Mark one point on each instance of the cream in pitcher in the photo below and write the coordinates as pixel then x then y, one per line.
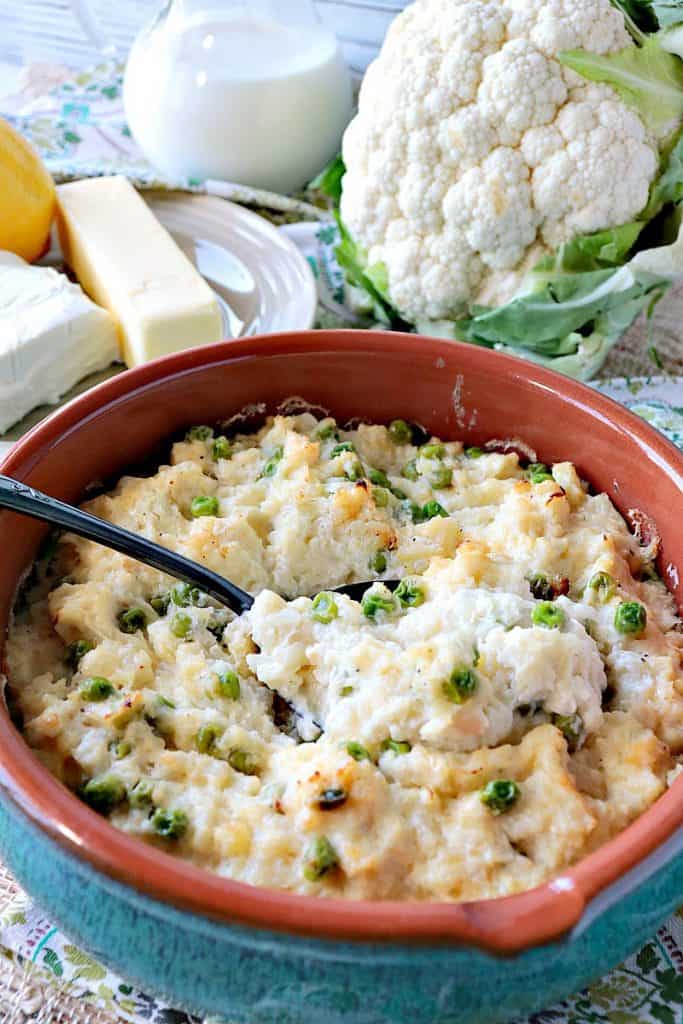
pixel 255 93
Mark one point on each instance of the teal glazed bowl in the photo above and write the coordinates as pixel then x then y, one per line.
pixel 215 946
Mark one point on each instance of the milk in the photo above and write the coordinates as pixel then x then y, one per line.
pixel 237 96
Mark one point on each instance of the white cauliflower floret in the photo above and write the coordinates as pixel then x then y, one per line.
pixel 465 33
pixel 445 271
pixel 475 149
pixel 591 169
pixel 465 138
pixel 491 206
pixel 554 25
pixel 520 89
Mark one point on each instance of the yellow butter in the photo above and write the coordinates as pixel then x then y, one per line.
pixel 128 263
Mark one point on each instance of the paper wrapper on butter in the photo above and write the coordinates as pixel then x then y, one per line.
pixel 128 263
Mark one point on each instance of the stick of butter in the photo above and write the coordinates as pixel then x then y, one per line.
pixel 128 263
pixel 51 336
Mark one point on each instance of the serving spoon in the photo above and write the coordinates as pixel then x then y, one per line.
pixel 19 497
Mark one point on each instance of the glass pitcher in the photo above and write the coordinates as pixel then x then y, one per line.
pixel 256 93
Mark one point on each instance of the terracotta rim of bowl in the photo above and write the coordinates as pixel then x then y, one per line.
pixel 504 925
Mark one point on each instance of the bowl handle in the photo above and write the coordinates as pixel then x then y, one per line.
pixel 630 881
pixel 563 909
pixel 508 925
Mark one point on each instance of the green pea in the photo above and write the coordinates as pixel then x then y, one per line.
pixel 141 794
pixel 201 433
pixel 332 798
pixel 380 497
pixel 97 689
pixel 400 432
pixel 541 587
pixel 326 430
pixel 373 603
pixel 571 727
pixel 409 510
pixel 398 493
pixel 410 470
pixel 547 614
pixel 76 651
pixel 221 449
pixel 357 751
pixel 474 453
pixel 204 505
pixel 160 604
pixel 169 824
pixel 434 450
pixel 461 684
pixel 409 594
pixel 500 795
pixel 270 467
pixel 339 449
pixel 122 750
pixel 631 617
pixel 132 620
pixel 537 472
pixel 181 625
pixel 244 762
pixel 183 595
pixel 441 477
pixel 603 586
pixel 103 794
pixel 433 509
pixel 228 685
pixel 379 478
pixel 207 737
pixel 378 562
pixel 324 608
pixel 397 746
pixel 321 858
pixel 355 471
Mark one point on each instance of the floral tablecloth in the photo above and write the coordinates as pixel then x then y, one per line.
pixel 78 125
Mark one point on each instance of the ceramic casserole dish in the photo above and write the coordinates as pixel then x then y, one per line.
pixel 215 946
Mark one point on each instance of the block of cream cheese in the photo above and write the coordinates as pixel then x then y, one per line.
pixel 128 263
pixel 51 336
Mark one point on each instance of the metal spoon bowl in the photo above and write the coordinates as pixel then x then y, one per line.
pixel 27 501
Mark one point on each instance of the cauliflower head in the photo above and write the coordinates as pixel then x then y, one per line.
pixel 475 151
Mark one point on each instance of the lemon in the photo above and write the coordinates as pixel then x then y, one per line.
pixel 27 197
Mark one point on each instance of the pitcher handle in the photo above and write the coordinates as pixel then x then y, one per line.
pixel 88 22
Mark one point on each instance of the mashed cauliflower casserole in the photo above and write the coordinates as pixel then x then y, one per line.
pixel 516 702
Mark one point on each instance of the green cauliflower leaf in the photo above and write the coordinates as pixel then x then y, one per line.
pixel 647 78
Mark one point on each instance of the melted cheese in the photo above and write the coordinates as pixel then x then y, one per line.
pixel 369 694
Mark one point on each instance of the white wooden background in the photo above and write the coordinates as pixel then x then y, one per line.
pixel 47 30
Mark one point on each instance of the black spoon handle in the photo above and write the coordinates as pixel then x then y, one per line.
pixel 20 498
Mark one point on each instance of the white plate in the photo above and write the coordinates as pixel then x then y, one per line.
pixel 261 279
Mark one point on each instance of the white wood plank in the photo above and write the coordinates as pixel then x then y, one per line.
pixel 47 30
